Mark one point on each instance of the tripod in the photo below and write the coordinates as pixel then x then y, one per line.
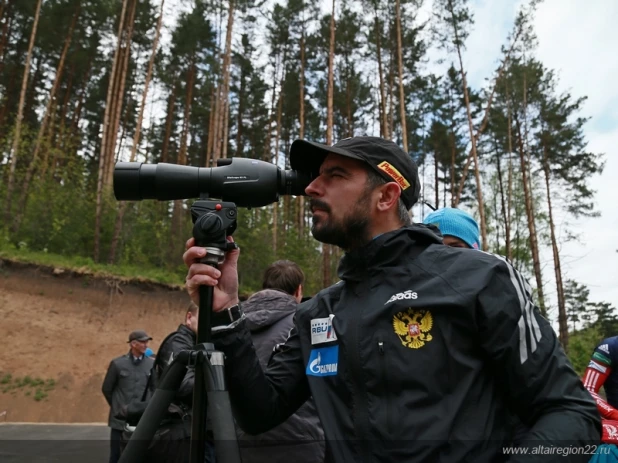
pixel 213 221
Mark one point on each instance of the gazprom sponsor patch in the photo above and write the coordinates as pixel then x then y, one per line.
pixel 601 358
pixel 323 361
pixel 597 367
pixel 322 330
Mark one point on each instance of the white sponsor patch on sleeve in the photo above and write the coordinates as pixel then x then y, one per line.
pixel 604 348
pixel 597 366
pixel 322 330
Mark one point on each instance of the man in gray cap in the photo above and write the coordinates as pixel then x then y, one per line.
pixel 126 380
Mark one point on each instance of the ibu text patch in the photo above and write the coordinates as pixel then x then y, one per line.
pixel 322 330
pixel 323 361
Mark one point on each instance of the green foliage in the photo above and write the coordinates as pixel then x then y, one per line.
pixel 41 387
pixel 581 347
pixel 87 265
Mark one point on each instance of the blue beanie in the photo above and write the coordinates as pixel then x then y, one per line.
pixel 457 223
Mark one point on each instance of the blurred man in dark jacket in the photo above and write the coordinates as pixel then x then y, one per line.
pixel 124 382
pixel 270 317
pixel 171 442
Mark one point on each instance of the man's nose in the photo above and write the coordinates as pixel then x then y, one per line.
pixel 314 188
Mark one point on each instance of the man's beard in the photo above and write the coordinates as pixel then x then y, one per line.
pixel 348 233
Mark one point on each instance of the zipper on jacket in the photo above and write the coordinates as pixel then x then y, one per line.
pixel 385 390
pixel 360 396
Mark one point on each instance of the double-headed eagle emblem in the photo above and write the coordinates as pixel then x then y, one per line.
pixel 412 326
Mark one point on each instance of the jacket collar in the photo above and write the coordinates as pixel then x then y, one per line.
pixel 186 331
pixel 386 250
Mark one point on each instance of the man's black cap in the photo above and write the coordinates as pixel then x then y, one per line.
pixel 139 335
pixel 384 156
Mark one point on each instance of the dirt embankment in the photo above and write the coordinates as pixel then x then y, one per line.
pixel 63 328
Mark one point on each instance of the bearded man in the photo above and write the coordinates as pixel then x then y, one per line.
pixel 421 349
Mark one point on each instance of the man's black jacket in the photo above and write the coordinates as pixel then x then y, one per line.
pixel 415 356
pixel 182 339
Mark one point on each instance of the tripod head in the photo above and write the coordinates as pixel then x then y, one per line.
pixel 213 222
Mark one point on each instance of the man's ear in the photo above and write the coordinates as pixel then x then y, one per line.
pixel 389 196
pixel 298 294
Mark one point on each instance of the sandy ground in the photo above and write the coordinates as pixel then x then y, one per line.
pixel 66 327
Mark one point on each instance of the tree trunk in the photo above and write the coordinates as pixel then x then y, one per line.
pixel 120 98
pixel 105 135
pixel 391 106
pixel 169 119
pixel 301 133
pixel 534 247
pixel 211 126
pixel 226 125
pixel 402 101
pixel 477 175
pixel 77 112
pixel 503 203
pixel 326 248
pixel 277 139
pixel 109 104
pixel 267 155
pixel 383 127
pixel 507 218
pixel 43 129
pixel 452 166
pixel 224 94
pixel 301 102
pixel 348 122
pixel 214 123
pixel 562 315
pixel 485 120
pixel 20 115
pixel 436 186
pixel 241 110
pixel 153 55
pixel 122 207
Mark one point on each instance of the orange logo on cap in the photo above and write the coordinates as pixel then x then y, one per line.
pixel 394 174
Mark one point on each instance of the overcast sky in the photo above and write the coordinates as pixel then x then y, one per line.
pixel 578 39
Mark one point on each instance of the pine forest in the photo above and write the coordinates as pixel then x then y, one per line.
pixel 87 83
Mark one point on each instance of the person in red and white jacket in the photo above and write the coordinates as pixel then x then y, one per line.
pixel 602 371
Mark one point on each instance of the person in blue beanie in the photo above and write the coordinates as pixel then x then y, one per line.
pixel 458 228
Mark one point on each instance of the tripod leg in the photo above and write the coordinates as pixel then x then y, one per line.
pixel 198 420
pixel 155 412
pixel 220 410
